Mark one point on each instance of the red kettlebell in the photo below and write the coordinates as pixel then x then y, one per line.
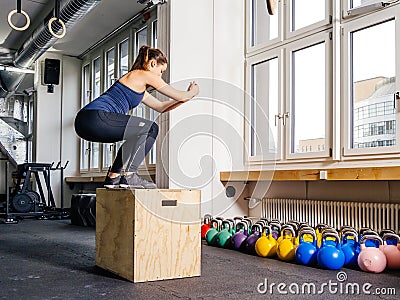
pixel 371 259
pixel 206 225
pixel 391 251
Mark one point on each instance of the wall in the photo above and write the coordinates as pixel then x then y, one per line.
pixel 55 137
pixel 207 45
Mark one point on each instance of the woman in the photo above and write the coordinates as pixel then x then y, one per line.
pixel 105 119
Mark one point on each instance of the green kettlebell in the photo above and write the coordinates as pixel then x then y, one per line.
pixel 211 235
pixel 224 237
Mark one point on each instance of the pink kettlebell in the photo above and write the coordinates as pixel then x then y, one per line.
pixel 391 251
pixel 371 259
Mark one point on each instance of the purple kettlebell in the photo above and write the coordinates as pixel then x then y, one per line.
pixel 239 238
pixel 256 232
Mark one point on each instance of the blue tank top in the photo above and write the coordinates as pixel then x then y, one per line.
pixel 118 99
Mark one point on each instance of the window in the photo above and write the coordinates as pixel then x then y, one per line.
pixel 123 58
pixel 141 39
pixel 95 147
pixel 99 73
pixel 371 82
pixel 264 108
pixel 264 27
pixel 109 148
pixel 86 94
pixel 155 37
pixel 306 15
pixel 309 68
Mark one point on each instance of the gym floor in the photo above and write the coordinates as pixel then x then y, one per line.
pixel 51 259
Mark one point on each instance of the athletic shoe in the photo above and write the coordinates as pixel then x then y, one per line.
pixel 134 181
pixel 271 6
pixel 112 183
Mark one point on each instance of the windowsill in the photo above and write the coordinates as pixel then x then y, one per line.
pixel 369 173
pixel 149 171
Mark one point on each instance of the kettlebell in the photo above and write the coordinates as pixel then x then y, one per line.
pixel 206 225
pixel 211 234
pixel 224 236
pixel 266 244
pixel 306 252
pixel 371 259
pixel 330 256
pixel 307 237
pixel 240 236
pixel 286 248
pixel 350 247
pixel 275 229
pixel 391 250
pixel 281 236
pixel 251 240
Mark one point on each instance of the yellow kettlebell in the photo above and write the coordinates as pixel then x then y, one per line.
pixel 286 248
pixel 266 244
pixel 280 238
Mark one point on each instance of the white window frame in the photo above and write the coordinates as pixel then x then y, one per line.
pixel 354 25
pixel 101 85
pixel 83 96
pixel 249 27
pixel 312 27
pixel 290 48
pixel 265 56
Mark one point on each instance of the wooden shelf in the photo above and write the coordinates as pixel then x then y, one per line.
pixel 370 173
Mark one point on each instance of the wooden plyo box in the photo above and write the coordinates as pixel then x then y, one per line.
pixel 147 235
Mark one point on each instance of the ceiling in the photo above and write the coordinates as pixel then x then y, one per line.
pixel 101 20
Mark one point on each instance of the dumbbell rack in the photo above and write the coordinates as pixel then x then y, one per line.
pixel 48 209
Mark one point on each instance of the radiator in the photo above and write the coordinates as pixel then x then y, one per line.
pixel 376 216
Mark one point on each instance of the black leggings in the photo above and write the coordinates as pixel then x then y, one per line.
pixel 107 127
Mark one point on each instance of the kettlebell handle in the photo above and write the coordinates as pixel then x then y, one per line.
pixel 371 237
pixel 352 233
pixel 331 234
pixel 215 221
pixel 258 226
pixel 224 222
pixel 207 218
pixel 243 225
pixel 287 227
pixel 268 228
pixel 389 235
pixel 308 231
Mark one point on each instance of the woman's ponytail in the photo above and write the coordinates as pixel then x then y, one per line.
pixel 145 55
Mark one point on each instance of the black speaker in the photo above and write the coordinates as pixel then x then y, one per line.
pixel 51 71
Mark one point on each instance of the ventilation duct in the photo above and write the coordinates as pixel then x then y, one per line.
pixel 41 40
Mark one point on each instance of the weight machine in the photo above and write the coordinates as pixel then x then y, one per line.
pixel 25 202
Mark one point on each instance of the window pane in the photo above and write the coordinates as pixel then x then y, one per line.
pixel 86 86
pixel 110 67
pixel 307 12
pixel 264 107
pixel 308 100
pixel 141 39
pixel 264 26
pixel 96 78
pixel 155 37
pixel 108 155
pixel 373 85
pixel 123 58
pixel 355 3
pixel 94 156
pixel 84 154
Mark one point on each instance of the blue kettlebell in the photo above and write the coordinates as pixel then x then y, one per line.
pixel 306 252
pixel 330 256
pixel 388 241
pixel 350 247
